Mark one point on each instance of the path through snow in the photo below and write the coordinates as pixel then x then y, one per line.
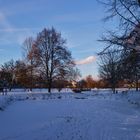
pixel 70 119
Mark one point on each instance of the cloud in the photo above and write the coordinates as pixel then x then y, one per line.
pixel 87 60
pixel 10 34
pixel 16 36
pixel 4 24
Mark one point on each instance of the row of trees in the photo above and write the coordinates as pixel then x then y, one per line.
pixel 89 82
pixel 118 69
pixel 46 61
pixel 120 60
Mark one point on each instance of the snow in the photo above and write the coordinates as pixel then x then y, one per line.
pixel 36 90
pixel 92 115
pixel 4 101
pixel 134 98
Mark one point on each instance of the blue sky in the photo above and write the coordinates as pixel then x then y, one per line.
pixel 79 21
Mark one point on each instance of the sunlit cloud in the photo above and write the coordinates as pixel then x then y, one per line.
pixel 87 60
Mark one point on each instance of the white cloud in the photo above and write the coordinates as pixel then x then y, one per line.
pixel 10 34
pixel 87 60
pixel 16 37
pixel 4 24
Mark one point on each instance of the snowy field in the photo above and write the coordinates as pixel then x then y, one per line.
pixel 95 115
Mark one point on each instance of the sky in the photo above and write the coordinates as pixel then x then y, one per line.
pixel 79 21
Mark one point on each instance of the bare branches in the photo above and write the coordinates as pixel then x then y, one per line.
pixel 125 42
pixel 55 61
pixel 109 67
pixel 128 12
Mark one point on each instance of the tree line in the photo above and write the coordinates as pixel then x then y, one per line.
pixel 120 59
pixel 47 63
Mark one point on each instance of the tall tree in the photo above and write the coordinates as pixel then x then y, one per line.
pixel 29 51
pixel 126 38
pixel 109 68
pixel 131 69
pixel 53 57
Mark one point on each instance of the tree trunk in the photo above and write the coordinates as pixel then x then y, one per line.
pixel 49 86
pixel 31 86
pixel 113 86
pixel 137 85
pixel 49 89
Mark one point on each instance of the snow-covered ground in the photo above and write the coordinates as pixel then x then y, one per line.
pixel 95 115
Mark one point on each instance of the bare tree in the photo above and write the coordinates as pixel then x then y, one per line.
pixel 127 38
pixel 29 51
pixel 53 57
pixel 109 68
pixel 131 67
